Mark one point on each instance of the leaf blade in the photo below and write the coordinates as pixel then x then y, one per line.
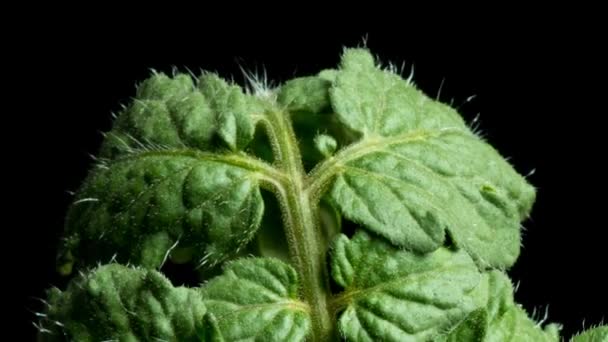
pixel 165 182
pixel 499 318
pixel 149 204
pixel 256 299
pixel 597 334
pixel 308 94
pixel 395 295
pixel 231 105
pixel 422 169
pixel 127 304
pixel 176 112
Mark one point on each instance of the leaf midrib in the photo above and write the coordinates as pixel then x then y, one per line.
pixel 320 177
pixel 262 169
pixel 294 305
pixel 351 293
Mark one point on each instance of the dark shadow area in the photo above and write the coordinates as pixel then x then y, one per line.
pixel 184 274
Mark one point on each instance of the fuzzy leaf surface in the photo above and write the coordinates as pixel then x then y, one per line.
pixel 119 303
pixel 395 295
pixel 417 170
pixel 255 299
pixel 170 178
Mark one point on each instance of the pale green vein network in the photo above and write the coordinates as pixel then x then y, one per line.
pixel 255 300
pixel 395 295
pixel 177 171
pixel 417 170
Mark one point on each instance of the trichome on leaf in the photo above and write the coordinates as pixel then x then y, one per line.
pixel 187 173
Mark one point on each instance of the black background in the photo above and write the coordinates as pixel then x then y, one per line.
pixel 537 95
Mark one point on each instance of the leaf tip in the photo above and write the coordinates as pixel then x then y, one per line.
pixel 357 59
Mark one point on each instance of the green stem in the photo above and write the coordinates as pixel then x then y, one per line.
pixel 302 227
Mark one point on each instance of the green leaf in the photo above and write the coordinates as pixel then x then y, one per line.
pixel 328 74
pixel 499 318
pixel 158 189
pixel 310 94
pixel 325 144
pixel 495 294
pixel 515 326
pixel 118 303
pixel 173 112
pixel 256 300
pixel 212 332
pixel 474 329
pixel 493 297
pixel 395 295
pixel 140 208
pixel 233 110
pixel 417 170
pixel 376 102
pixel 597 334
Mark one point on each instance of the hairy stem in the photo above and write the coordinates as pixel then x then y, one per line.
pixel 301 223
